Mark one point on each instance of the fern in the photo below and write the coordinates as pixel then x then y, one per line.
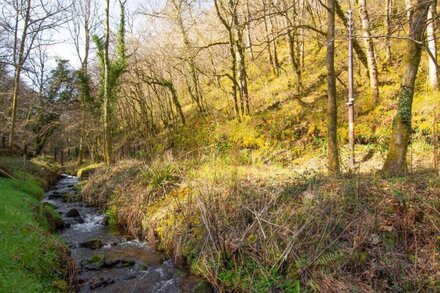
pixel 331 258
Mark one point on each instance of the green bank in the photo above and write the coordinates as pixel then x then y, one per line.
pixel 32 257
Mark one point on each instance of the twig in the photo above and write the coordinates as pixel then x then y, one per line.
pixel 6 174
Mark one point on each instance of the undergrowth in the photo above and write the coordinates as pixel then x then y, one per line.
pixel 256 228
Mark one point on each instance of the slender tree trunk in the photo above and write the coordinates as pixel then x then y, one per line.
pixel 276 61
pixel 408 9
pixel 241 75
pixel 388 11
pixel 333 153
pixel 249 33
pixel 357 48
pixel 177 103
pixel 17 74
pixel 233 76
pixel 195 90
pixel 433 78
pixel 85 94
pixel 395 163
pixel 371 56
pixel 268 33
pixel 351 143
pixel 106 106
pixel 294 59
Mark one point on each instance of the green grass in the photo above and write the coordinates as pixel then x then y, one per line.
pixel 31 258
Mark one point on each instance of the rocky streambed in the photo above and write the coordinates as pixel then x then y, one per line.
pixel 109 260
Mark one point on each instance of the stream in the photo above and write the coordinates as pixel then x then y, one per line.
pixel 110 261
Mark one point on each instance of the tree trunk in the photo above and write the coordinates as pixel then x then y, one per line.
pixel 408 9
pixel 85 94
pixel 388 11
pixel 333 154
pixel 268 40
pixel 17 74
pixel 249 34
pixel 106 106
pixel 177 103
pixel 433 79
pixel 294 60
pixel 233 76
pixel 276 60
pixel 357 48
pixel 371 58
pixel 241 75
pixel 396 164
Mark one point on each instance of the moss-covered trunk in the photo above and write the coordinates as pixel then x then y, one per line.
pixel 395 163
pixel 332 110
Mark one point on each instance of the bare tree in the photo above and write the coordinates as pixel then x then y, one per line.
pixel 228 14
pixel 24 21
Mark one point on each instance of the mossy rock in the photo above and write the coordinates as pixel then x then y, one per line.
pixel 93 263
pixel 92 244
pixel 70 197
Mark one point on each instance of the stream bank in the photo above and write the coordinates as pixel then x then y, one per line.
pixel 109 260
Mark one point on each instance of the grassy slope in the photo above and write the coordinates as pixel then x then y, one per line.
pixel 32 258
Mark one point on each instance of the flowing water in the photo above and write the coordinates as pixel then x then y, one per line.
pixel 108 260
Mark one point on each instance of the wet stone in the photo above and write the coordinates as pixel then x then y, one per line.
pixel 129 277
pixel 119 263
pixel 92 244
pixel 54 195
pixel 72 213
pixel 97 282
pixel 140 267
pixel 106 220
pixel 168 268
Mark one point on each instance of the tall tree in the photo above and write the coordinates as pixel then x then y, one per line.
pixel 332 127
pixel 395 163
pixel 110 74
pixel 180 7
pixel 82 27
pixel 228 14
pixel 388 11
pixel 59 94
pixel 106 94
pixel 371 56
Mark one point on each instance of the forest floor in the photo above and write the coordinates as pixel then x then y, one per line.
pixel 256 226
pixel 32 258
